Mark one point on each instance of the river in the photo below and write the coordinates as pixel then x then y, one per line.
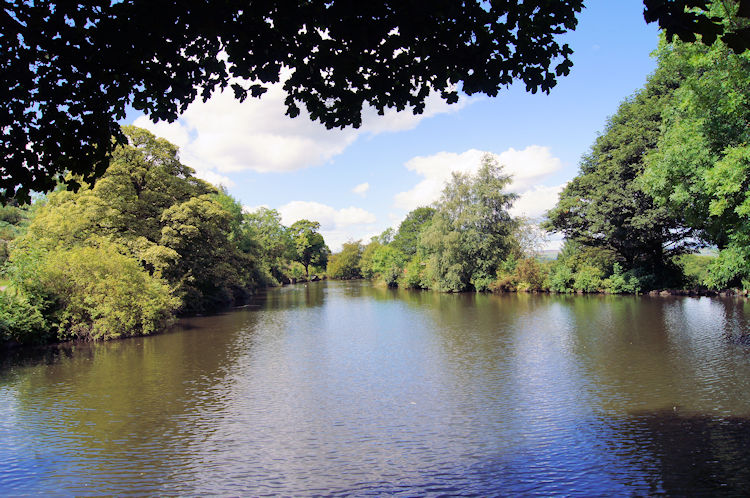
pixel 344 388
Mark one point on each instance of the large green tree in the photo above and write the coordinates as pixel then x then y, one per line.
pixel 471 230
pixel 701 167
pixel 268 239
pixel 151 206
pixel 605 206
pixel 309 247
pixel 346 263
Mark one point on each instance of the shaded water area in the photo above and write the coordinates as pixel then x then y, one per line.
pixel 344 388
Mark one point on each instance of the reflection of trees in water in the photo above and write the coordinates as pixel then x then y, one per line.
pixel 97 410
pixel 307 295
pixel 685 454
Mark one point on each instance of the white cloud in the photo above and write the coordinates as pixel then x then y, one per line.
pixel 361 189
pixel 252 209
pixel 528 168
pixel 336 225
pixel 535 202
pixel 224 135
pixel 215 178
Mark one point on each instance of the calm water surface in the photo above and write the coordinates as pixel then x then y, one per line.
pixel 343 388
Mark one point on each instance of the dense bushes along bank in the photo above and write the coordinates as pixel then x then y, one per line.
pixel 146 242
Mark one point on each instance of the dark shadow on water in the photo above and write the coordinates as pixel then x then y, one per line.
pixel 688 454
pixel 33 355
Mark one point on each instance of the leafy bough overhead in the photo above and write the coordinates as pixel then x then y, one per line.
pixel 71 70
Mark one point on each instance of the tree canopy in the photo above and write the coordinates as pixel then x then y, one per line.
pixel 309 248
pixel 72 70
pixel 605 206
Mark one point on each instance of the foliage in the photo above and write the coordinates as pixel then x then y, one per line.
pixel 530 275
pixel 605 206
pixel 621 282
pixel 308 244
pixel 87 292
pixel 729 268
pixel 14 220
pixel 210 272
pixel 365 262
pixel 560 278
pixel 102 294
pixel 71 70
pixel 413 275
pixel 387 264
pixel 149 239
pixel 177 226
pixel 346 264
pixel 588 279
pixel 20 320
pixel 471 230
pixel 386 237
pixel 701 168
pixel 406 239
pixel 707 20
pixel 695 268
pixel 268 240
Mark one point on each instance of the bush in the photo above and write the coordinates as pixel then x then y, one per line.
pixel 102 294
pixel 530 275
pixel 588 279
pixel 296 271
pixel 20 320
pixel 506 280
pixel 345 264
pixel 482 282
pixel 560 278
pixel 622 282
pixel 413 275
pixel 388 264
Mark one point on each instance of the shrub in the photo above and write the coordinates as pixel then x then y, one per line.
pixel 413 275
pixel 530 275
pixel 102 294
pixel 560 278
pixel 20 320
pixel 296 271
pixel 622 282
pixel 587 279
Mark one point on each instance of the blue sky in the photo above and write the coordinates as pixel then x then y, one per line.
pixel 359 182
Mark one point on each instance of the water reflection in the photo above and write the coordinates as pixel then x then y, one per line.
pixel 348 388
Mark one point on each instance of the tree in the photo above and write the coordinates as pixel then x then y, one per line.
pixel 268 239
pixel 701 167
pixel 406 239
pixel 605 206
pixel 149 205
pixel 309 246
pixel 471 230
pixel 707 20
pixel 345 264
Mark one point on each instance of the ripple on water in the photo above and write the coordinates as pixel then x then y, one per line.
pixel 344 389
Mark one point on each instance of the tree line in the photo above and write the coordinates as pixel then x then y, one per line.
pixel 669 175
pixel 148 241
